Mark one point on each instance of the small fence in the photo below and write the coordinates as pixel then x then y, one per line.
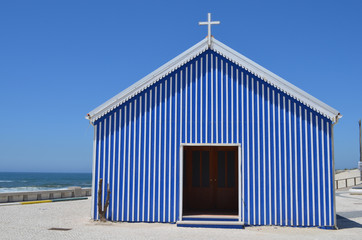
pixel 45 195
pixel 348 182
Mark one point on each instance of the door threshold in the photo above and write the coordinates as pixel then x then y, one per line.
pixel 210 217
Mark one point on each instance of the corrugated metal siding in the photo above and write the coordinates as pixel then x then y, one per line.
pixel 286 147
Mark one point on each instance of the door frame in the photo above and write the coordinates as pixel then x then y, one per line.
pixel 181 171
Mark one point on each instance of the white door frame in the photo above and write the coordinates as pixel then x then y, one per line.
pixel 182 145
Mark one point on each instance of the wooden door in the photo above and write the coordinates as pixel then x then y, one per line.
pixel 226 186
pixel 210 179
pixel 198 188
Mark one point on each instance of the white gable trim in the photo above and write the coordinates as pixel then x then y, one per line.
pixel 148 80
pixel 228 53
pixel 275 80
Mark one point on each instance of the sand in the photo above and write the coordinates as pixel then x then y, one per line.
pixel 34 222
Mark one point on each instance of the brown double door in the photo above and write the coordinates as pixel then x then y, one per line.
pixel 210 180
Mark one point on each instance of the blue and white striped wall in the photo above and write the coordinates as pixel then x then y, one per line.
pixel 286 160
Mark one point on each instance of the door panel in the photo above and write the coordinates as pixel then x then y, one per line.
pixel 198 191
pixel 226 191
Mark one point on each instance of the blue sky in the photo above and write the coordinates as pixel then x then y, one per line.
pixel 61 59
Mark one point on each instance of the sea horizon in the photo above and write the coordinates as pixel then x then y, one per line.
pixel 38 181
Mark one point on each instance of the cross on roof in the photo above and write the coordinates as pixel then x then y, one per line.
pixel 209 23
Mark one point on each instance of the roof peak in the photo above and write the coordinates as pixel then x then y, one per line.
pixel 232 56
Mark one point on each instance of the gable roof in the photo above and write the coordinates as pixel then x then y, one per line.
pixel 231 55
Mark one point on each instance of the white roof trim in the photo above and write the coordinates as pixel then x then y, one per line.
pixel 275 80
pixel 148 80
pixel 228 53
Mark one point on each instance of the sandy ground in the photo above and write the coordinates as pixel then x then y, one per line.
pixel 34 221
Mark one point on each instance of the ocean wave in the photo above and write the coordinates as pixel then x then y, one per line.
pixel 27 189
pixel 6 181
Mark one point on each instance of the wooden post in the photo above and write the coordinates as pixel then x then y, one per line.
pixel 102 213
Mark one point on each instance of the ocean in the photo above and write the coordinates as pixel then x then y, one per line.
pixel 24 182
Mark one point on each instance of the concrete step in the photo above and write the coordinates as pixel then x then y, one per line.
pixel 210 224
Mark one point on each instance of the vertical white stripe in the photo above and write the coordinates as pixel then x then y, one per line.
pixel 169 149
pixel 114 164
pixel 154 157
pixel 144 158
pixel 104 160
pixel 280 162
pixel 207 99
pixel 94 169
pixel 227 120
pixel 134 160
pixel 159 155
pixel 129 159
pixel 323 174
pixel 253 144
pixel 258 132
pixel 201 96
pixel 212 97
pixel 243 144
pixel 264 146
pixel 124 162
pixel 312 165
pixel 119 163
pixel 275 159
pixel 165 160
pixel 222 100
pixel 232 104
pixel 186 97
pixel 318 174
pixel 306 163
pixel 301 163
pixel 285 163
pixel 237 107
pixel 99 163
pixel 217 101
pixel 149 156
pixel 296 164
pixel 139 160
pixel 178 94
pixel 247 144
pixel 191 123
pixel 109 137
pixel 196 102
pixel 269 158
pixel 329 177
pixel 290 162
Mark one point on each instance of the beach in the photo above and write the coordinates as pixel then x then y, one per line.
pixel 34 221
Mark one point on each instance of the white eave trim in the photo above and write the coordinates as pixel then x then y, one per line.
pixel 275 80
pixel 148 80
pixel 231 55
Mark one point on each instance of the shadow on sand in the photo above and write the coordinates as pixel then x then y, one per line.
pixel 345 223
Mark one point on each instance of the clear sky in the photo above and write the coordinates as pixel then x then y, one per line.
pixel 61 59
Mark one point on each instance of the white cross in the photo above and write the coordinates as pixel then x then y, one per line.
pixel 209 23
